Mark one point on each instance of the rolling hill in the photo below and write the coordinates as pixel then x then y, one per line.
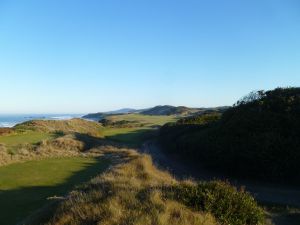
pixel 160 110
pixel 169 110
pixel 101 115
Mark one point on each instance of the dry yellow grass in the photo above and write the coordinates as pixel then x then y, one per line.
pixel 129 194
pixel 80 135
pixel 67 126
pixel 64 146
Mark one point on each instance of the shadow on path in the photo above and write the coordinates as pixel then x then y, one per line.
pixel 284 197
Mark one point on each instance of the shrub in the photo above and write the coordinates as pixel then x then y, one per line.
pixel 201 119
pixel 225 202
pixel 120 123
pixel 258 137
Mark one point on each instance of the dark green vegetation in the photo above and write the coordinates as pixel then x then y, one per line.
pixel 258 137
pixel 25 187
pixel 120 123
pixel 203 119
pixel 225 202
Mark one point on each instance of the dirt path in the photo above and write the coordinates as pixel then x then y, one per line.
pixel 263 192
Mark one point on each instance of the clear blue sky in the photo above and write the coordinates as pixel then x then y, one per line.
pixel 71 56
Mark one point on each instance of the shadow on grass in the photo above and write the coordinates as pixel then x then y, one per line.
pixel 131 139
pixel 89 141
pixel 17 204
pixel 135 138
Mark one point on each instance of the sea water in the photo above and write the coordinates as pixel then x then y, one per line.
pixel 10 120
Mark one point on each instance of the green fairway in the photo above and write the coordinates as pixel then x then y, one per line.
pixel 145 119
pixel 30 137
pixel 135 136
pixel 25 187
pixel 130 136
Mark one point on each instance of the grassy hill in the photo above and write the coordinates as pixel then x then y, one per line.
pixel 40 139
pixel 101 115
pixel 180 110
pixel 44 138
pixel 66 126
pixel 94 116
pixel 258 137
pixel 169 110
pixel 165 110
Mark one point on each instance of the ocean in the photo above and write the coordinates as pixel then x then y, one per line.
pixel 10 120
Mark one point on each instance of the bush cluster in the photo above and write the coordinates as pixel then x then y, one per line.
pixel 202 119
pixel 258 137
pixel 225 202
pixel 120 123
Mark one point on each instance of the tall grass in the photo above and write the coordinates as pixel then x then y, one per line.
pixel 130 194
pixel 66 126
pixel 137 193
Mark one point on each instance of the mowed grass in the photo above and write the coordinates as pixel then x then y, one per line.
pixel 131 136
pixel 144 119
pixel 31 137
pixel 25 187
pixel 135 136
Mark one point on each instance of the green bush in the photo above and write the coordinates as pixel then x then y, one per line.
pixel 200 119
pixel 258 137
pixel 120 123
pixel 229 205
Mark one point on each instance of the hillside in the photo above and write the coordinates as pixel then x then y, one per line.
pixel 168 110
pixel 161 110
pixel 94 116
pixel 122 111
pixel 66 126
pixel 180 110
pixel 102 115
pixel 258 137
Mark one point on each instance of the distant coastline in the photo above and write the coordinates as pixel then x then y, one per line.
pixel 10 120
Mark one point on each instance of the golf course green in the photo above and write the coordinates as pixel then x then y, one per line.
pixel 25 187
